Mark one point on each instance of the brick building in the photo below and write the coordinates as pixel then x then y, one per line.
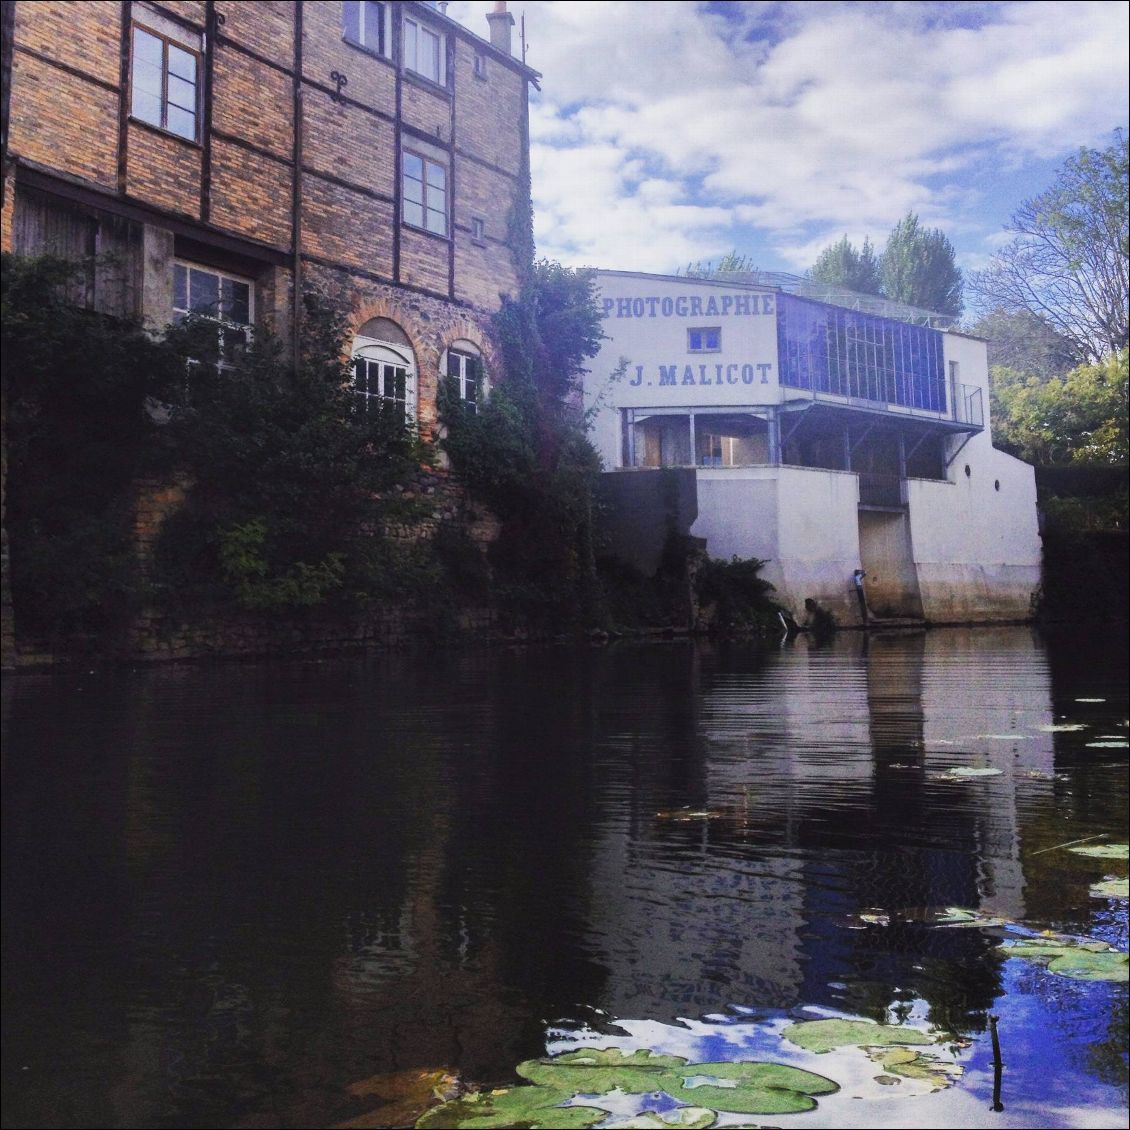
pixel 222 156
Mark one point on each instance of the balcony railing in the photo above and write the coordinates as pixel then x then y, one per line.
pixel 970 408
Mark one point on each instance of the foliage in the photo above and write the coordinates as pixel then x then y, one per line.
pixel 1024 342
pixel 824 1035
pixel 842 264
pixel 1103 851
pixel 1079 960
pixel 1080 417
pixel 736 592
pixel 291 480
pixel 919 268
pixel 1068 262
pixel 731 263
pixel 743 1087
pixel 76 388
pixel 525 452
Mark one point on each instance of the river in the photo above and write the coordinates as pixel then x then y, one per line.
pixel 267 894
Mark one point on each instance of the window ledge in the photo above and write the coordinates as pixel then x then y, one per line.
pixel 371 52
pixel 426 83
pixel 424 231
pixel 165 132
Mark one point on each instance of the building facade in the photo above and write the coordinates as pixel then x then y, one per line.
pixel 222 157
pixel 819 438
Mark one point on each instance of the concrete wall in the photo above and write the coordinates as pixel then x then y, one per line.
pixel 885 555
pixel 644 507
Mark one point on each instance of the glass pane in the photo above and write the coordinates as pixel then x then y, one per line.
pixel 413 213
pixel 413 166
pixel 437 175
pixel 182 63
pixel 147 49
pixel 413 189
pixel 452 363
pixel 203 292
pixel 235 301
pixel 182 94
pixel 146 77
pixel 374 26
pixel 182 122
pixel 437 221
pixel 351 16
pixel 410 45
pixel 147 107
pixel 180 287
pixel 429 61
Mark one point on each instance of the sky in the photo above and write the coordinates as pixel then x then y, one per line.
pixel 671 133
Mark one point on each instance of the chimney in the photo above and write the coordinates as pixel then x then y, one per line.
pixel 501 21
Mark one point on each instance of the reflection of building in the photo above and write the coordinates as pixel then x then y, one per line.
pixel 221 157
pixel 822 439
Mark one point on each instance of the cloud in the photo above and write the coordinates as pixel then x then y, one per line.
pixel 667 132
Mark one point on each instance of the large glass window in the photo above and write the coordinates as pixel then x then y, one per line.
pixel 219 297
pixel 164 89
pixel 424 203
pixel 366 23
pixel 846 353
pixel 465 368
pixel 384 377
pixel 425 51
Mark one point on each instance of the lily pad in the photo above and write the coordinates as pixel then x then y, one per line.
pixel 526 1107
pixel 1104 851
pixel 961 772
pixel 1062 727
pixel 913 1064
pixel 1111 889
pixel 958 916
pixel 824 1035
pixel 686 1117
pixel 597 1070
pixel 1082 961
pixel 1108 745
pixel 749 1088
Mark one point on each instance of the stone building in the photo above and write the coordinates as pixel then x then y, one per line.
pixel 817 435
pixel 220 157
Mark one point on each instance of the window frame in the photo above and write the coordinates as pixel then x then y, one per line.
pixel 705 347
pixel 401 358
pixel 383 47
pixel 197 58
pixel 466 351
pixel 426 185
pixel 412 66
pixel 245 328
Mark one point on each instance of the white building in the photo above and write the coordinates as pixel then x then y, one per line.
pixel 819 438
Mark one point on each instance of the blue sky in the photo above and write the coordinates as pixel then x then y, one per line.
pixel 673 132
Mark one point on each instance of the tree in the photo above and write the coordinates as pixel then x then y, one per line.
pixel 1077 418
pixel 918 268
pixel 1068 262
pixel 843 264
pixel 1025 343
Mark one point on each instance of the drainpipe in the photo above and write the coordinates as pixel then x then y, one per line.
pixel 296 198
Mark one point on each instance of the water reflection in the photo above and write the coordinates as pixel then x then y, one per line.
pixel 230 893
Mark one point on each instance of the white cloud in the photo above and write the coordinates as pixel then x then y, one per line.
pixel 665 132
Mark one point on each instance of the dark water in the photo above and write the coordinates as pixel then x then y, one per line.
pixel 232 892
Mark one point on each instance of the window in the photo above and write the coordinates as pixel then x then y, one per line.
pixel 163 83
pixel 480 65
pixel 425 52
pixel 384 377
pixel 425 194
pixel 225 299
pixel 367 24
pixel 705 340
pixel 465 369
pixel 478 230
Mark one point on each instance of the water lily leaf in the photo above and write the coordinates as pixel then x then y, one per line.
pixel 1062 727
pixel 526 1107
pixel 1083 961
pixel 916 1065
pixel 960 772
pixel 1108 745
pixel 1111 889
pixel 824 1035
pixel 686 1117
pixel 749 1088
pixel 1104 851
pixel 958 916
pixel 594 1071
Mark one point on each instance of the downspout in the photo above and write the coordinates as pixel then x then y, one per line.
pixel 296 197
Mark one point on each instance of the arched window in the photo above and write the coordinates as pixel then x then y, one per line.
pixel 463 364
pixel 384 372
